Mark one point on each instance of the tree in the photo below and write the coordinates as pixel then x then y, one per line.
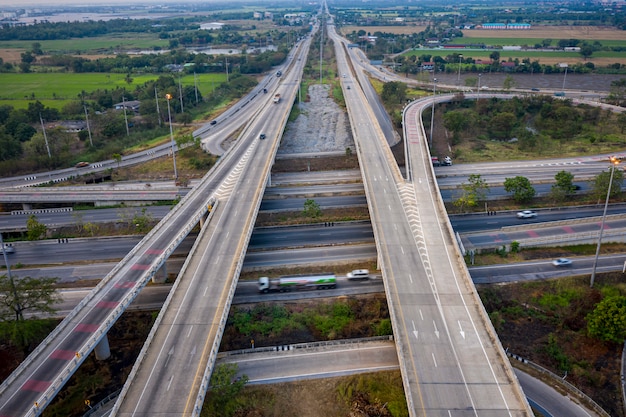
pixel 394 92
pixel 508 83
pixel 26 294
pixel 601 184
pixel 521 188
pixel 36 295
pixel 564 186
pixel 224 388
pixel 474 191
pixel 617 96
pixel 621 122
pixel 117 158
pixel 34 229
pixel 586 51
pixel 311 208
pixel 502 124
pixel 608 320
pixel 456 121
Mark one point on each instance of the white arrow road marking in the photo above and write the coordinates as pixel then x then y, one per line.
pixel 414 329
pixel 461 328
pixel 436 331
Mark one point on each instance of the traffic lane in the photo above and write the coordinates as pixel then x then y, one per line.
pixel 295 203
pixel 504 238
pixel 550 399
pixel 476 222
pixel 291 365
pixel 282 237
pixel 526 271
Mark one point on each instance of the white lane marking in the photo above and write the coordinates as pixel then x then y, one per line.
pixel 461 329
pixel 414 329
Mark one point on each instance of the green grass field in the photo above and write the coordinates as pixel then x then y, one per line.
pixel 55 89
pixel 94 45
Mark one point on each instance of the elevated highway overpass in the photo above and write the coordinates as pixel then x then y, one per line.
pixel 172 374
pixel 37 380
pixel 451 360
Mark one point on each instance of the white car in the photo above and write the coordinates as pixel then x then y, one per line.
pixel 526 214
pixel 562 262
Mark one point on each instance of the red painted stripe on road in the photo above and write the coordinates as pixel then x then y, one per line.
pixel 65 355
pixel 532 233
pixel 107 304
pixel 140 267
pixel 37 386
pixel 154 251
pixel 126 284
pixel 86 328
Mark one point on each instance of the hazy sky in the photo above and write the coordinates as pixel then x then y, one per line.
pixel 35 3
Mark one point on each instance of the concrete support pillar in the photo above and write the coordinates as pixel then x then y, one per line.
pixel 161 275
pixel 27 206
pixel 202 221
pixel 102 349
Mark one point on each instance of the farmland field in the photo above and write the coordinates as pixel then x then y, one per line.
pixel 98 44
pixel 591 33
pixel 385 29
pixel 54 89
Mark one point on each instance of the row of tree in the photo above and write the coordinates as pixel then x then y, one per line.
pixel 474 192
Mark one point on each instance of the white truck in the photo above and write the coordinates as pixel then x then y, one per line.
pixel 277 98
pixel 297 282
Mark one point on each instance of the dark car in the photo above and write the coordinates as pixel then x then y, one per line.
pixel 262 136
pixel 213 122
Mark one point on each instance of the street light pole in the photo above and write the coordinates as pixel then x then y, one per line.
pixel 458 79
pixel 614 163
pixel 168 97
pixel 432 111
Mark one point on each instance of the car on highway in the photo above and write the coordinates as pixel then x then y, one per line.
pixel 447 161
pixel 562 262
pixel 81 164
pixel 262 136
pixel 526 214
pixel 213 122
pixel 8 248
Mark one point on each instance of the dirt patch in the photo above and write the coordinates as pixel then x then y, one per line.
pixel 321 127
pixel 12 56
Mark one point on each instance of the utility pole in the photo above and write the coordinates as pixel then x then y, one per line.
pixel 87 120
pixel 125 117
pixel 156 98
pixel 45 137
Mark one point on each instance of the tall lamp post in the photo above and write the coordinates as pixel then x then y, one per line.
pixel 169 114
pixel 432 111
pixel 458 78
pixel 614 162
